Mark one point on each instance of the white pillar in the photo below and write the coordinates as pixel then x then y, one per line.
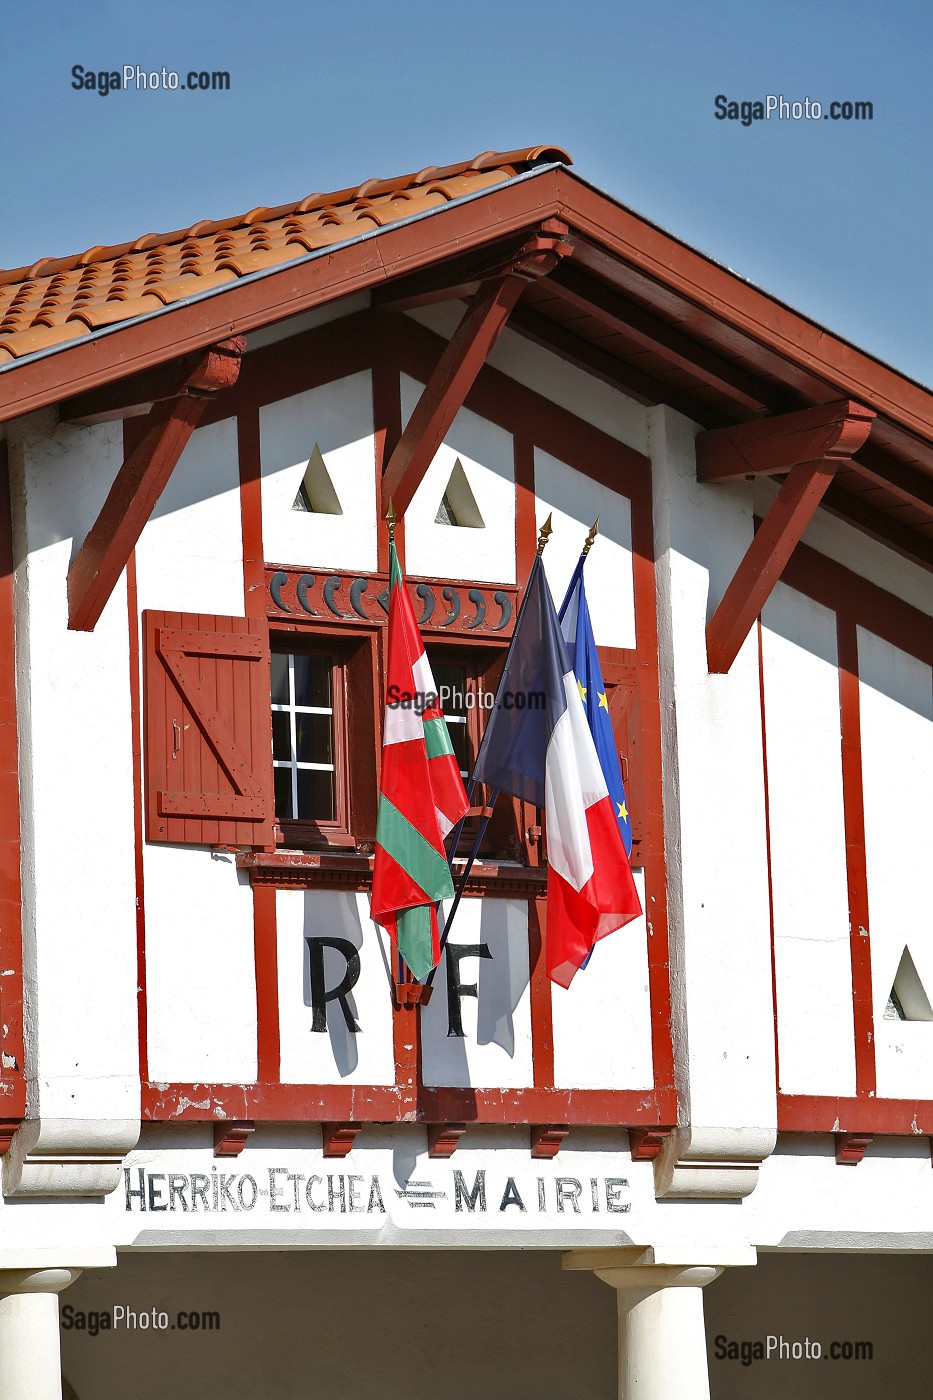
pixel 30 1344
pixel 662 1336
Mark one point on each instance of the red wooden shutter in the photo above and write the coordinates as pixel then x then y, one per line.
pixel 620 675
pixel 208 730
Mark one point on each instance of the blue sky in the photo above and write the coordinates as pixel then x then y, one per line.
pixel 832 216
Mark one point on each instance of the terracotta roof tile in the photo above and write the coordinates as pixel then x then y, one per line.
pixel 56 300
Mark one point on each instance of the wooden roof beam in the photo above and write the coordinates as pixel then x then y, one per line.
pixel 911 487
pixel 140 481
pixel 810 446
pixel 643 388
pixel 637 324
pixel 455 373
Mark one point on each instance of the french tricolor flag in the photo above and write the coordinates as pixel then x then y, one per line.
pixel 537 746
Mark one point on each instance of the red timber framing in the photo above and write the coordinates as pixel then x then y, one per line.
pixel 460 361
pixel 856 603
pixel 12 1067
pixel 390 344
pixel 810 446
pixel 140 481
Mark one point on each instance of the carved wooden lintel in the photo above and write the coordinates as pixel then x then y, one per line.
pixel 850 1148
pixel 442 606
pixel 443 1138
pixel 546 1139
pixel 230 1138
pixel 339 1138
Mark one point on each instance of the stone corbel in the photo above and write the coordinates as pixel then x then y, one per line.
pixel 67 1156
pixel 711 1164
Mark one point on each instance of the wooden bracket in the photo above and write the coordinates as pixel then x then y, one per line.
pixel 134 394
pixel 532 255
pixel 461 361
pixel 230 1138
pixel 646 1143
pixel 139 483
pixel 810 447
pixel 409 994
pixel 8 1127
pixel 546 1139
pixel 444 1138
pixel 339 1138
pixel 850 1148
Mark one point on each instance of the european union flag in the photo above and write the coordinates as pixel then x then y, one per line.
pixel 581 648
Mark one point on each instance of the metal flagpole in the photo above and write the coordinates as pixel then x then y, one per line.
pixel 587 546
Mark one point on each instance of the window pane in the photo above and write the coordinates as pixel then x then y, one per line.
pixel 279 678
pixel 312 680
pixel 315 795
pixel 313 738
pixel 451 684
pixel 281 735
pixel 283 792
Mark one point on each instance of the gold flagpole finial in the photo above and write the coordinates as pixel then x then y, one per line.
pixel 544 534
pixel 391 518
pixel 591 537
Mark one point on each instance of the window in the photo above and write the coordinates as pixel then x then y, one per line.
pixel 304 690
pixel 256 738
pixel 323 741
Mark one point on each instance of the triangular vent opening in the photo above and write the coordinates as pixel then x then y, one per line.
pixel 316 494
pixel 458 506
pixel 908 1000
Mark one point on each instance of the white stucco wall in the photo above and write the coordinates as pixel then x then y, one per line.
pixel 487 456
pixel 574 501
pixel 812 960
pixel 76 787
pixel 896 702
pixel 200 967
pixel 714 809
pixel 339 418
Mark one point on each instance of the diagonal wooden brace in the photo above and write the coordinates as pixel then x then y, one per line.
pixel 461 361
pixel 774 542
pixel 810 446
pixel 139 483
pixel 444 394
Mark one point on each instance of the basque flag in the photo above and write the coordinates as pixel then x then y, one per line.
pixel 577 632
pixel 421 796
pixel 538 747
